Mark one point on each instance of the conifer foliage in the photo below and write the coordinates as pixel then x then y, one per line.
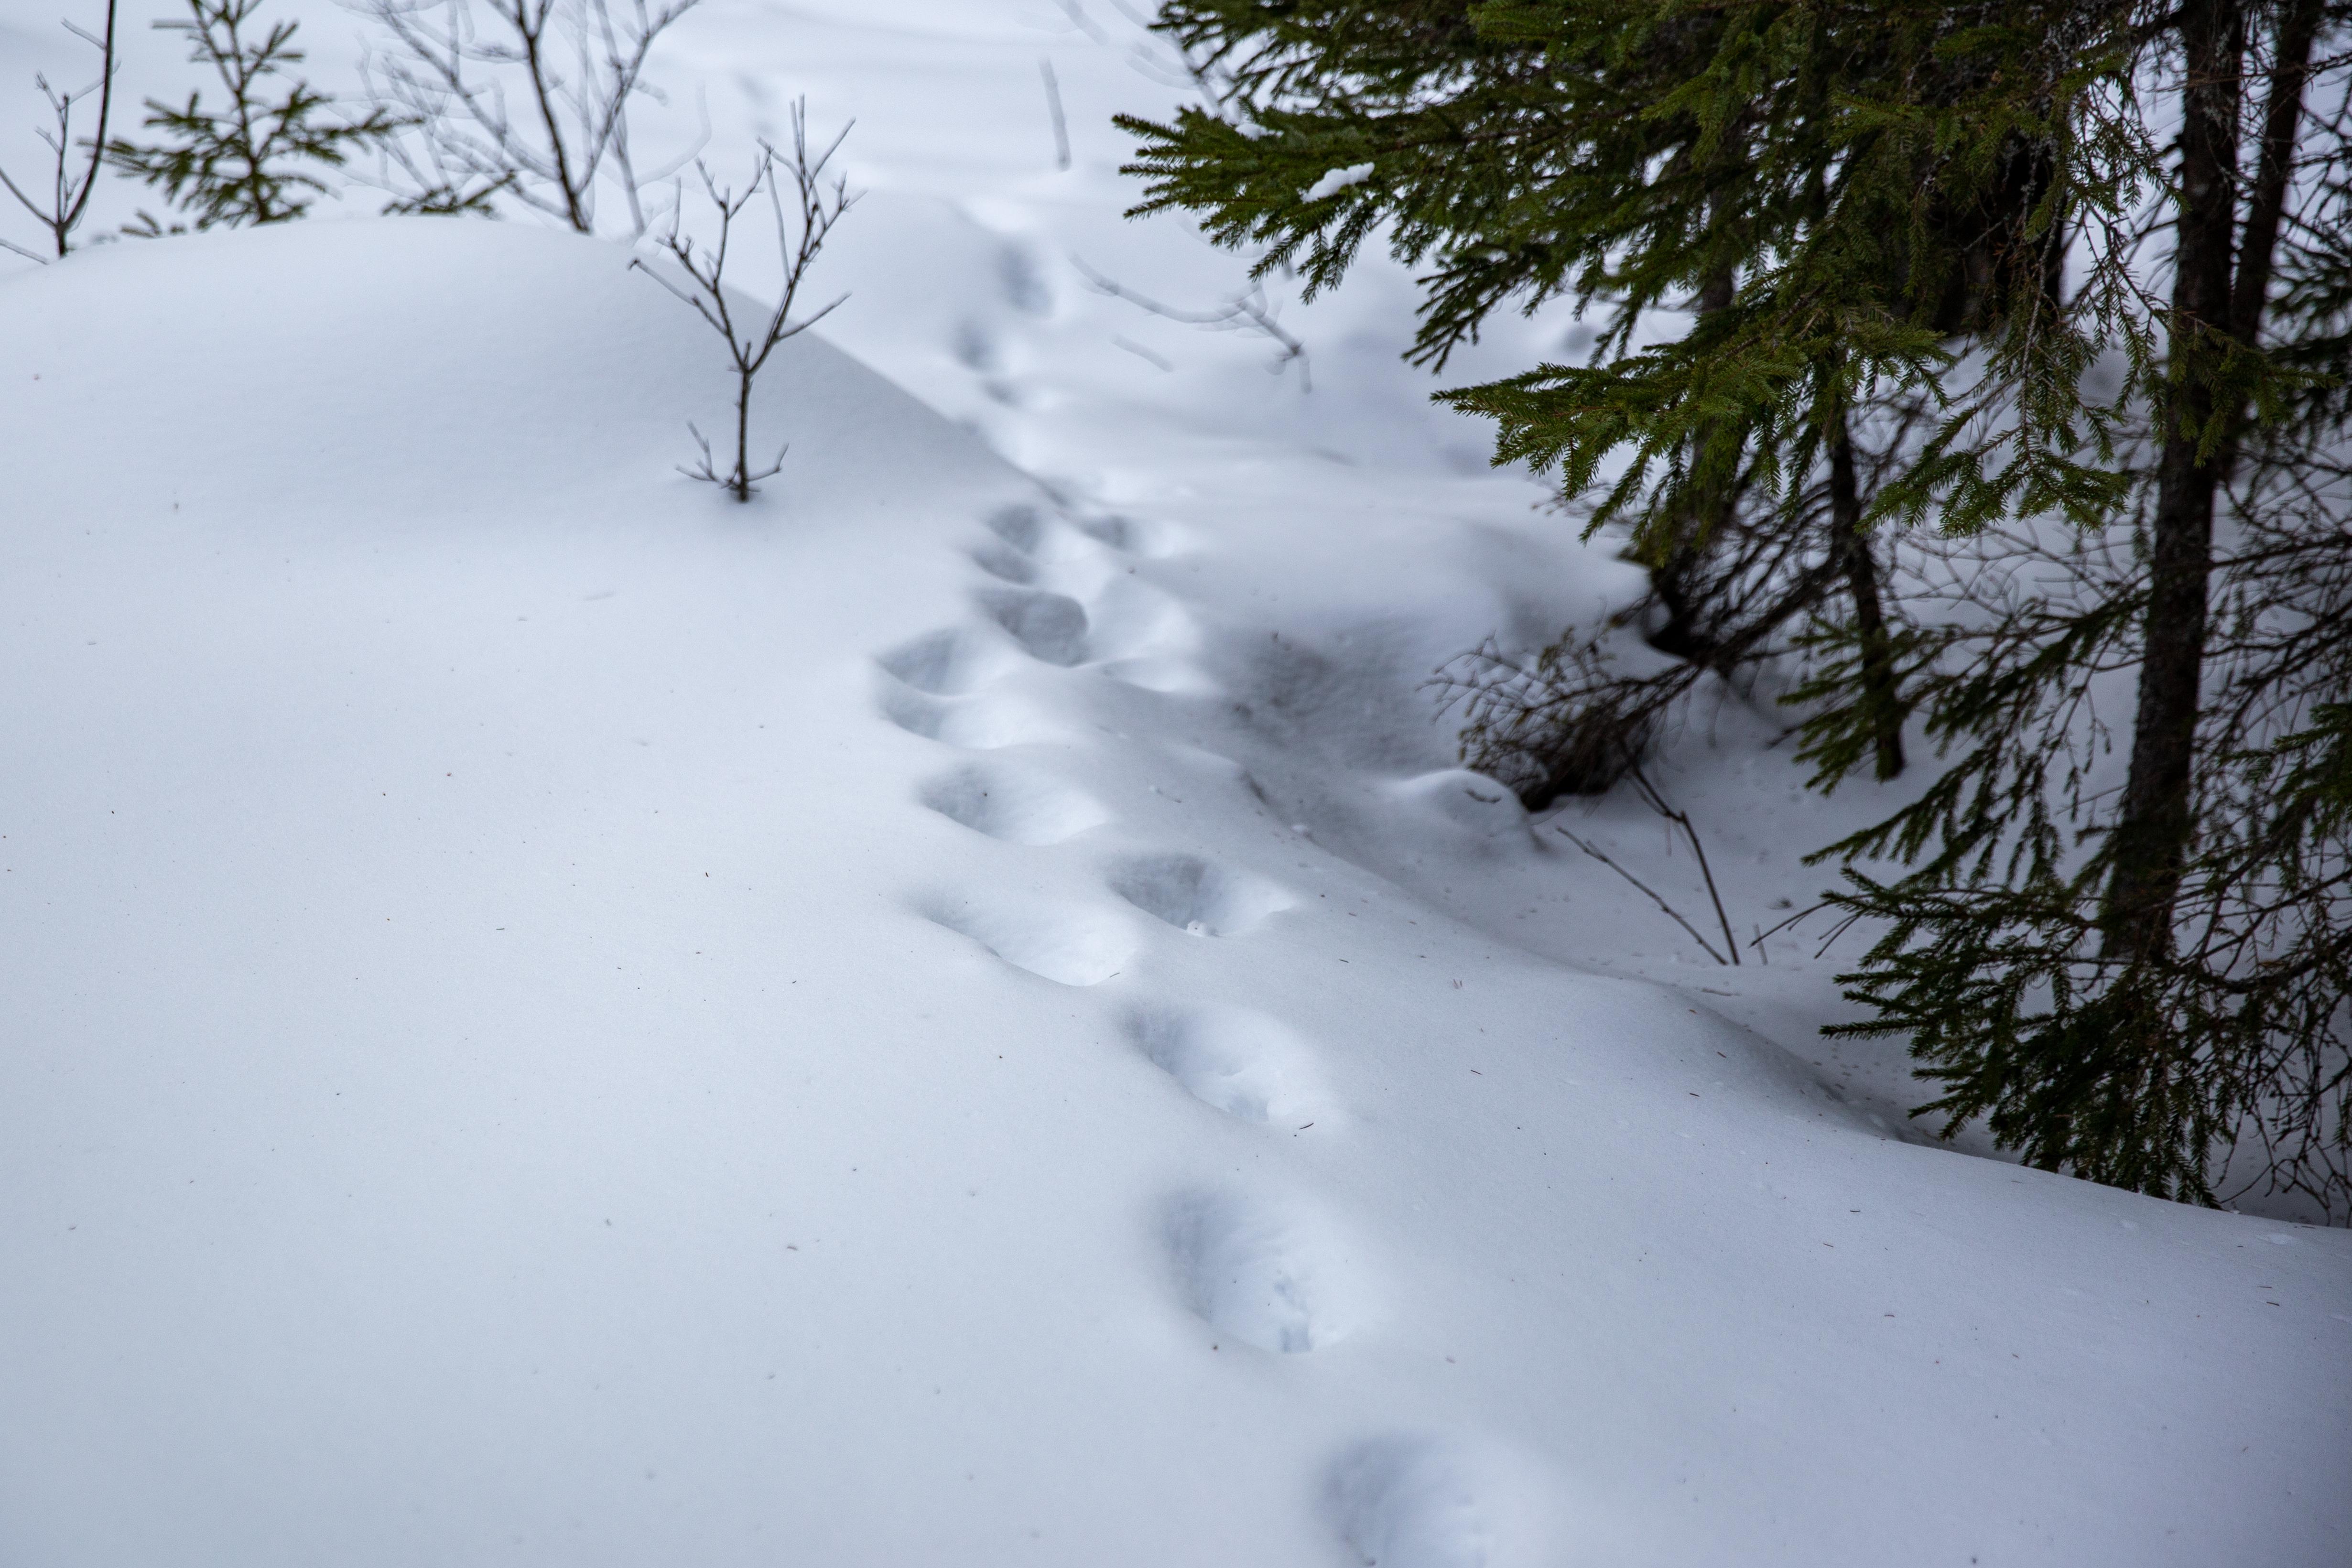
pixel 255 158
pixel 1985 362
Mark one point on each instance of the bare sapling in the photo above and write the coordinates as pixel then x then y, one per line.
pixel 75 164
pixel 530 98
pixel 805 215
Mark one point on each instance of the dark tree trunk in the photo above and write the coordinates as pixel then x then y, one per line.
pixel 1689 632
pixel 2154 829
pixel 1850 548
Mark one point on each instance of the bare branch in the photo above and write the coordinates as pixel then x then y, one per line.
pixel 1246 311
pixel 72 179
pixel 1682 819
pixel 1053 107
pixel 573 66
pixel 1671 912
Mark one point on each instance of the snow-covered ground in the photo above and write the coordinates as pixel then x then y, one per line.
pixel 961 1013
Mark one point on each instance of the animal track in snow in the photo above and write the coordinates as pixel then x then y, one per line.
pixel 1254 1272
pixel 1130 536
pixel 977 723
pixel 1030 531
pixel 1071 947
pixel 1014 804
pixel 1196 896
pixel 1242 1063
pixel 947 664
pixel 1023 280
pixel 1051 626
pixel 1412 1502
pixel 1006 565
pixel 1021 526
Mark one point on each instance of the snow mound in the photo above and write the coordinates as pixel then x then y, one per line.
pixel 559 1019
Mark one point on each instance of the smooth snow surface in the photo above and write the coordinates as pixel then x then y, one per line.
pixel 962 1013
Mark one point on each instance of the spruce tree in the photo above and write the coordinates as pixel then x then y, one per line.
pixel 1863 213
pixel 1604 152
pixel 254 160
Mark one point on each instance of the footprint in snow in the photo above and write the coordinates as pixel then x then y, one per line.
pixel 1423 1502
pixel 1255 1273
pixel 947 664
pixel 1021 525
pixel 1195 895
pixel 976 724
pixel 1070 948
pixel 1050 627
pixel 1018 805
pixel 1023 280
pixel 1029 531
pixel 1242 1063
pixel 1004 564
pixel 1131 536
pixel 930 686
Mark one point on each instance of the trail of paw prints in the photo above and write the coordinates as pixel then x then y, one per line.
pixel 1057 594
pixel 1261 1271
pixel 1071 595
pixel 950 686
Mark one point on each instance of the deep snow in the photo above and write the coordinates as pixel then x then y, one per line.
pixel 954 1014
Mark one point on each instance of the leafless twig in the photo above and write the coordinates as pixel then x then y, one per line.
pixel 1053 107
pixel 1247 311
pixel 1672 913
pixel 1729 956
pixel 1657 803
pixel 1146 55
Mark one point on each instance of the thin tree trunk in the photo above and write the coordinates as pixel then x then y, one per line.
pixel 742 485
pixel 1685 632
pixel 1850 546
pixel 2153 832
pixel 2289 68
pixel 531 27
pixel 69 216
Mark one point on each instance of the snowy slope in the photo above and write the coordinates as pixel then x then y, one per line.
pixel 960 1013
pixel 557 1020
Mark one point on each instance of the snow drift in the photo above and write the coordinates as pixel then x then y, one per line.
pixel 554 1018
